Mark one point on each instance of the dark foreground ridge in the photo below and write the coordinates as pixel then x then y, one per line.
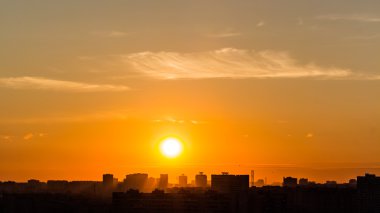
pixel 226 194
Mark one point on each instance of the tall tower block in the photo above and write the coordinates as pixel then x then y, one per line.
pixel 252 177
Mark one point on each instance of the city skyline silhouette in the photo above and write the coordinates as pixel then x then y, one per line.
pixel 281 95
pixel 207 193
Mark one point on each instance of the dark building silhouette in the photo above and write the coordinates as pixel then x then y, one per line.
pixel 303 182
pixel 331 183
pixel 289 182
pixel 182 181
pixel 60 186
pixel 228 194
pixel 108 181
pixel 52 203
pixel 352 182
pixel 235 187
pixel 85 187
pixel 136 181
pixel 252 178
pixel 161 202
pixel 163 182
pixel 369 193
pixel 226 183
pixel 35 186
pixel 201 180
pixel 316 199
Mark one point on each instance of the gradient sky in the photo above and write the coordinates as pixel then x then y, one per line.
pixel 283 87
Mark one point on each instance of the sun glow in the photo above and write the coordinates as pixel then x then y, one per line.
pixel 171 147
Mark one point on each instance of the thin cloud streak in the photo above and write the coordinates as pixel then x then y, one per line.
pixel 226 63
pixel 178 121
pixel 260 24
pixel 39 83
pixel 350 17
pixel 28 136
pixel 225 34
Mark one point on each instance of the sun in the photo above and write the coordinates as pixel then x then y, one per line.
pixel 171 147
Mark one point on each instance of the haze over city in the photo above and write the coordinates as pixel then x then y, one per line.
pixel 285 88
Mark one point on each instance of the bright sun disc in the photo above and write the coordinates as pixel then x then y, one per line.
pixel 171 147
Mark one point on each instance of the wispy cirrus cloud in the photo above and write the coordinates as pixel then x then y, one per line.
pixel 226 63
pixel 260 24
pixel 224 34
pixel 177 121
pixel 375 77
pixel 29 136
pixel 39 83
pixel 26 137
pixel 350 17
